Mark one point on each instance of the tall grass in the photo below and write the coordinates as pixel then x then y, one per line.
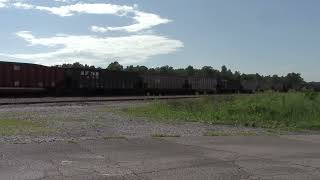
pixel 293 110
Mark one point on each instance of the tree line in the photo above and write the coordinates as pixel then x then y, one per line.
pixel 292 80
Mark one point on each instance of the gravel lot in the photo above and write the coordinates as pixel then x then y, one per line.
pixel 93 141
pixel 79 121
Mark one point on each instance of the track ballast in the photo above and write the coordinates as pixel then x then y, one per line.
pixel 53 100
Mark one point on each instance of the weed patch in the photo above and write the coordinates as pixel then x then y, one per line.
pixel 10 127
pixel 271 110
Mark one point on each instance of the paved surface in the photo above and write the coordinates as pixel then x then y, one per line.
pixel 222 158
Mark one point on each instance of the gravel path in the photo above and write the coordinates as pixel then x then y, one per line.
pixel 77 121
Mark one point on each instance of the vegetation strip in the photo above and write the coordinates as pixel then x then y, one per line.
pixel 9 127
pixel 272 110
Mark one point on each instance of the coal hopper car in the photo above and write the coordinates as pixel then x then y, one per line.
pixel 158 84
pixel 98 81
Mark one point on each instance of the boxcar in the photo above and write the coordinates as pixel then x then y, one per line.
pixel 28 78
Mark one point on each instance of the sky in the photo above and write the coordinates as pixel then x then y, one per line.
pixel 250 36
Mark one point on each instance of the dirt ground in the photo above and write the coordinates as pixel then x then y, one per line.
pixel 79 121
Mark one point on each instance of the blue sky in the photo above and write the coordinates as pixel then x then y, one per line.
pixel 268 37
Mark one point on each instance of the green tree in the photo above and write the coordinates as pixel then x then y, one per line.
pixel 226 73
pixel 294 80
pixel 237 75
pixel 166 69
pixel 207 70
pixel 115 66
pixel 140 69
pixel 190 70
pixel 224 70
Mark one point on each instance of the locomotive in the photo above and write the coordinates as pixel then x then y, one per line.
pixel 24 78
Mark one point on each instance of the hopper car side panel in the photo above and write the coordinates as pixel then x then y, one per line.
pixel 203 84
pixel 164 84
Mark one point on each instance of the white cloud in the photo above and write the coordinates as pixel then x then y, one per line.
pixel 97 50
pixel 98 8
pixel 23 5
pixel 3 3
pixel 7 3
pixel 142 20
pixel 64 1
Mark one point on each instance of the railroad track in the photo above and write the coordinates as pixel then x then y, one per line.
pixel 51 100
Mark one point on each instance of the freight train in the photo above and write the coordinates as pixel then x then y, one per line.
pixel 23 78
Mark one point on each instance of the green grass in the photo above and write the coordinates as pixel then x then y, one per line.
pixel 10 127
pixel 288 111
pixel 72 142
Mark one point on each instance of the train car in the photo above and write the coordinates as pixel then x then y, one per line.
pixel 98 82
pixel 229 86
pixel 315 86
pixel 265 85
pixel 203 85
pixel 165 84
pixel 24 78
pixel 82 81
pixel 31 78
pixel 249 86
pixel 121 83
pixel 279 87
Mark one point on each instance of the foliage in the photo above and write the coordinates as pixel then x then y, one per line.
pixel 115 66
pixel 76 65
pixel 312 95
pixel 267 110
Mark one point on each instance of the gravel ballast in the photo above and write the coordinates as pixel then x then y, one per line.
pixel 77 121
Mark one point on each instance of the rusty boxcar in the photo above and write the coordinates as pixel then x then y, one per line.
pixel 31 78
